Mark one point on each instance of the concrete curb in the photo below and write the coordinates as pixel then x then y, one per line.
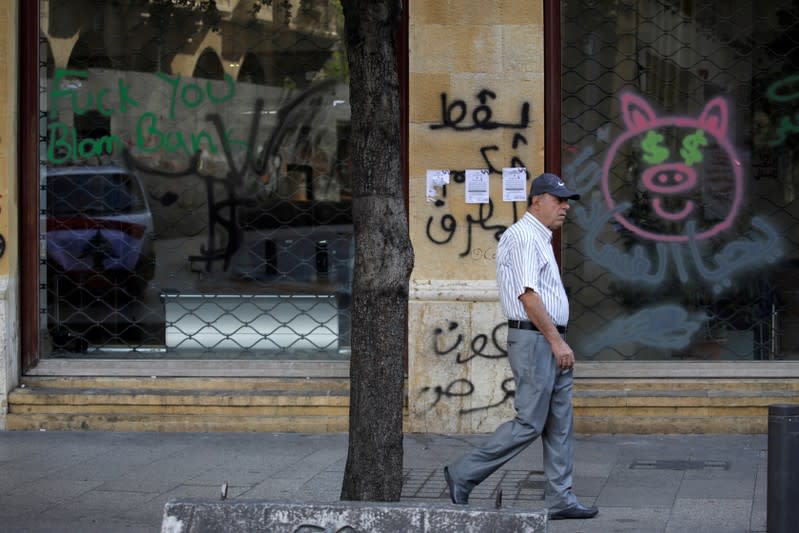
pixel 204 516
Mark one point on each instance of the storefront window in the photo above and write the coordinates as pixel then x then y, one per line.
pixel 195 191
pixel 680 131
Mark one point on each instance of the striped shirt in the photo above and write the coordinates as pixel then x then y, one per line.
pixel 525 259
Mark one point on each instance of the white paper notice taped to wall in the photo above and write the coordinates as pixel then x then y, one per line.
pixel 477 186
pixel 436 179
pixel 514 188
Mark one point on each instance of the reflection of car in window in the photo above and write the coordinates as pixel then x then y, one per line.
pixel 99 229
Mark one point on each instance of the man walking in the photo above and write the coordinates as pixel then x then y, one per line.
pixel 534 301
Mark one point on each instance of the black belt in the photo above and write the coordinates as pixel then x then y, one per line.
pixel 526 324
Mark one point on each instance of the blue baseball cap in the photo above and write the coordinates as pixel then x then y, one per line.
pixel 552 184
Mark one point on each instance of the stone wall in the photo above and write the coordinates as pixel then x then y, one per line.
pixel 476 102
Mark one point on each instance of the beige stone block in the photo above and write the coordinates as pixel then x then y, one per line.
pixel 515 12
pixel 9 212
pixel 431 12
pixel 473 12
pixel 9 74
pixel 456 370
pixel 5 177
pixel 677 425
pixel 479 48
pixel 522 48
pixel 432 49
pixel 424 94
pixel 6 137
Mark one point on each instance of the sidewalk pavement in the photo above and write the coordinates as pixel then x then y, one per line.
pixel 119 482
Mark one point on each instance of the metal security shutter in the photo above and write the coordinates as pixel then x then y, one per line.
pixel 194 180
pixel 679 128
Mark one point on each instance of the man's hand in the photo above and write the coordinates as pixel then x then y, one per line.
pixel 534 307
pixel 563 354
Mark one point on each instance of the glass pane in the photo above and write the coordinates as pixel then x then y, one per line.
pixel 678 129
pixel 195 180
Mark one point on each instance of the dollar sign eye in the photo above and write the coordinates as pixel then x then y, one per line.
pixel 654 152
pixel 690 151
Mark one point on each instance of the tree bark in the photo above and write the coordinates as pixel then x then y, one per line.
pixel 383 255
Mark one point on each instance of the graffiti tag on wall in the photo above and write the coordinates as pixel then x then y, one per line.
pixel 671 179
pixel 450 343
pixel 674 235
pixel 782 92
pixel 65 144
pixel 455 116
pixel 183 97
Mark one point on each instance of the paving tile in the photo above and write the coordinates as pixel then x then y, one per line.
pixel 150 511
pixel 97 505
pixel 584 468
pixel 13 479
pixel 207 492
pixel 324 487
pixel 625 476
pixel 241 475
pixel 760 503
pixel 652 495
pixel 142 482
pixel 14 506
pixel 710 515
pixel 616 519
pixel 50 525
pixel 589 485
pixel 276 489
pixel 52 489
pixel 717 489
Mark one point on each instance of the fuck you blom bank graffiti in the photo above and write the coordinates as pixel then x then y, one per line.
pixel 665 229
pixel 210 148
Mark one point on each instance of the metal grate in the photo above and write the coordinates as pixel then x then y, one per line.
pixel 516 486
pixel 678 464
pixel 685 244
pixel 195 198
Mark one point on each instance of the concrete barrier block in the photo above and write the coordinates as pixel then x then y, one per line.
pixel 233 516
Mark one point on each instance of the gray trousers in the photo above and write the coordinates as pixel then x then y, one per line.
pixel 543 407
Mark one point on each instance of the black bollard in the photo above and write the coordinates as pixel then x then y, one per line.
pixel 782 513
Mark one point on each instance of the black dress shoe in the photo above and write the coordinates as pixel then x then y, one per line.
pixel 456 493
pixel 575 511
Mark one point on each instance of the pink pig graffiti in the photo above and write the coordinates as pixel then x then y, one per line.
pixel 671 179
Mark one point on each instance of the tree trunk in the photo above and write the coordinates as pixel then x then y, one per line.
pixel 383 255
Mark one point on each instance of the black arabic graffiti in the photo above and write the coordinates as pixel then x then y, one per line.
pixel 453 114
pixel 477 344
pixel 515 161
pixel 463 388
pixel 510 393
pixel 449 225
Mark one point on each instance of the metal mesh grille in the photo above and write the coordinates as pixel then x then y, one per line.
pixel 678 131
pixel 195 192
